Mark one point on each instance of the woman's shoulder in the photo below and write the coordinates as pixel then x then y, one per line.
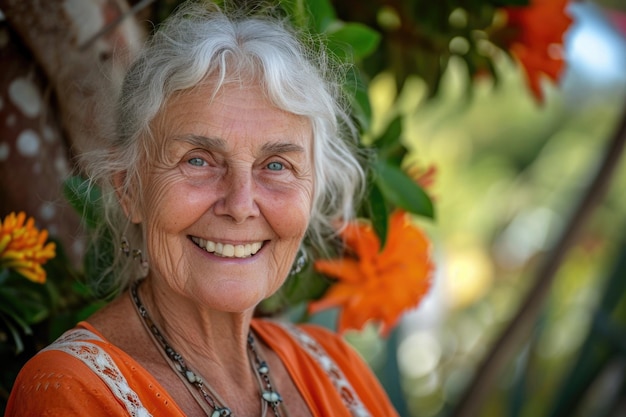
pixel 53 366
pixel 311 349
pixel 61 381
pixel 299 332
pixel 319 343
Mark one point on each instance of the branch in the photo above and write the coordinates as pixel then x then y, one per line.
pixel 522 324
pixel 115 23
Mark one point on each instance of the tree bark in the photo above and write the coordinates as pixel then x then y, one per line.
pixel 83 73
pixel 58 76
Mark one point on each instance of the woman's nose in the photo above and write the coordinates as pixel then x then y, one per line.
pixel 238 200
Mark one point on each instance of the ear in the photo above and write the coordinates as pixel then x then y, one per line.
pixel 126 197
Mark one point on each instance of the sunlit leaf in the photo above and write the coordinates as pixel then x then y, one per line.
pixel 323 14
pixel 353 39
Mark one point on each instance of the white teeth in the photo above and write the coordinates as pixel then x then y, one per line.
pixel 227 250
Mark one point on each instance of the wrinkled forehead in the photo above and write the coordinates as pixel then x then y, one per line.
pixel 234 109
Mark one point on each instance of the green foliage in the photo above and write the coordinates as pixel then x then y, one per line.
pixel 85 198
pixel 294 294
pixel 352 40
pixel 32 315
pixel 419 37
pixel 401 191
pixel 604 346
pixel 321 12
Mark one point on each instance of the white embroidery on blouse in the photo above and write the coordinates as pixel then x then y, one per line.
pixel 347 393
pixel 75 342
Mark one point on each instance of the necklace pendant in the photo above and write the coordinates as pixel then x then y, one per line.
pixel 221 412
pixel 263 368
pixel 191 377
pixel 272 397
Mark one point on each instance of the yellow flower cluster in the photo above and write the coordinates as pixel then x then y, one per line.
pixel 23 248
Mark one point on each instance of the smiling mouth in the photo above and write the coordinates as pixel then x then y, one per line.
pixel 226 250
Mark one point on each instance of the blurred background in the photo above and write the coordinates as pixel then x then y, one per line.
pixel 509 174
pixel 509 167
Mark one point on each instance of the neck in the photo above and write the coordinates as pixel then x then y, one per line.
pixel 214 345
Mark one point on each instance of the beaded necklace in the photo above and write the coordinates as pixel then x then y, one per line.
pixel 261 369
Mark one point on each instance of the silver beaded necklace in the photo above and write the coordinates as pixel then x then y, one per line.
pixel 269 396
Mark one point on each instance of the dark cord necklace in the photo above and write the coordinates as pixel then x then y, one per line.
pixel 262 371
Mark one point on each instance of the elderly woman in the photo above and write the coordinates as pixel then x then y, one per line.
pixel 232 147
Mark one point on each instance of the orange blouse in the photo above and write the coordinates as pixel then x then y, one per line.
pixel 58 381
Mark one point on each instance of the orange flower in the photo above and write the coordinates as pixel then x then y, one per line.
pixel 377 285
pixel 537 39
pixel 22 247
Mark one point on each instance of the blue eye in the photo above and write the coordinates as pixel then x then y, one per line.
pixel 198 162
pixel 275 166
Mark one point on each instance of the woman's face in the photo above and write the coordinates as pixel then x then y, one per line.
pixel 228 202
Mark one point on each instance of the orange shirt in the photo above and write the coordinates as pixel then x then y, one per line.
pixel 331 376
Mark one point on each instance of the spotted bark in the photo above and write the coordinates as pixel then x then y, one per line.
pixel 58 69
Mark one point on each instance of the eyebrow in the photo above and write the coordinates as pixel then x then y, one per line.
pixel 218 144
pixel 281 147
pixel 203 141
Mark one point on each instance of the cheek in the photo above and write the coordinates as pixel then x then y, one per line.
pixel 291 214
pixel 170 205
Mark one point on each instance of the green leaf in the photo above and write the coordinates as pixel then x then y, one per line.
pixel 402 191
pixel 602 343
pixel 391 134
pixel 4 275
pixel 298 289
pixel 323 14
pixel 97 263
pixel 378 213
pixel 17 338
pixel 353 39
pixel 357 91
pixel 7 315
pixel 84 197
pixel 298 13
pixel 24 304
pixel 389 146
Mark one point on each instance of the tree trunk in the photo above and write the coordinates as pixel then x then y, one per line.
pixel 60 69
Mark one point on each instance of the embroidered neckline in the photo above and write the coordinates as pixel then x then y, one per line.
pixel 82 344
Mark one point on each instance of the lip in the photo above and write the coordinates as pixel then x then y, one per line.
pixel 243 250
